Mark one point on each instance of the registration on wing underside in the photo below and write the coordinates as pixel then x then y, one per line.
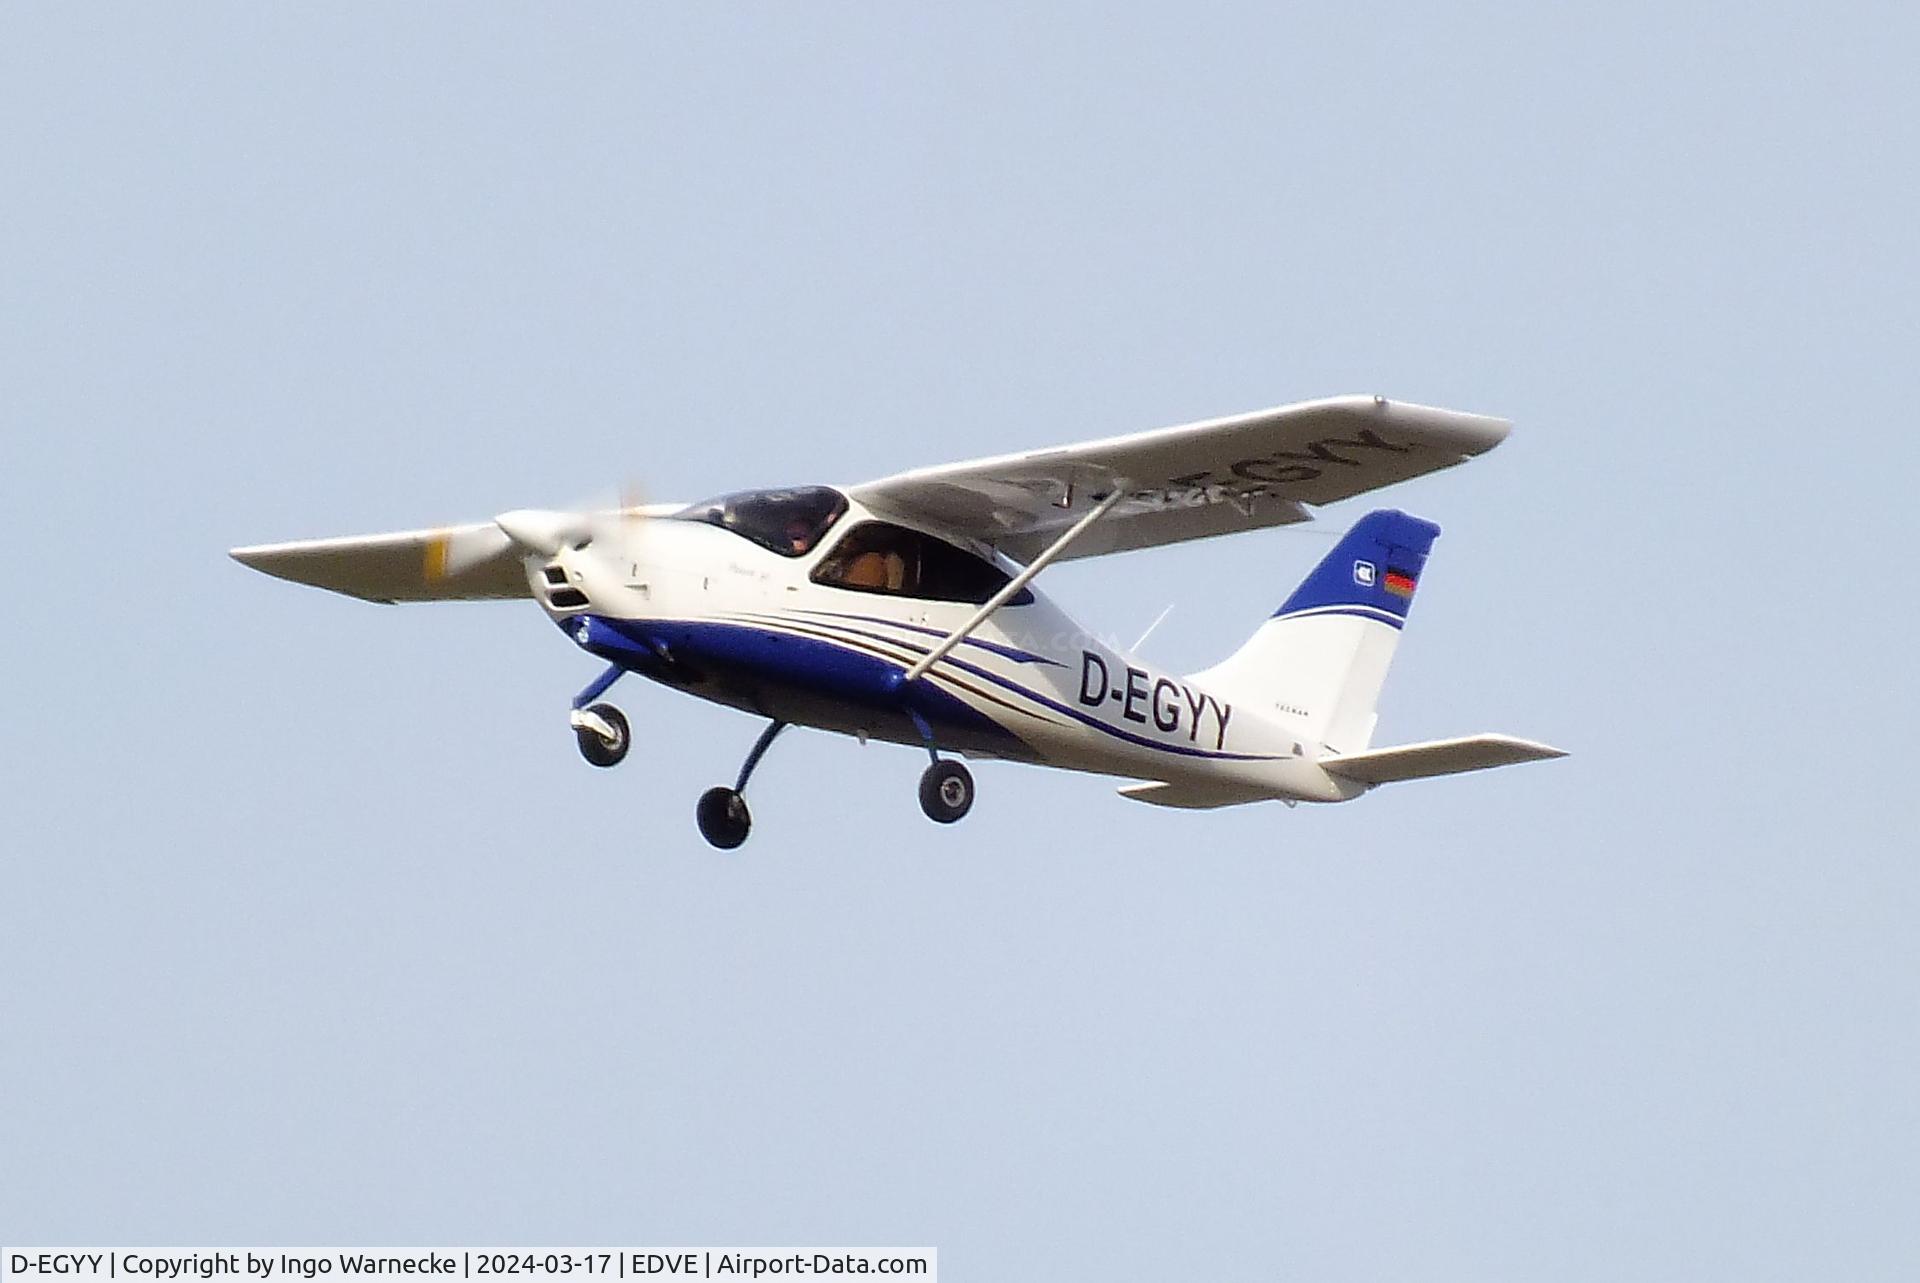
pixel 1203 479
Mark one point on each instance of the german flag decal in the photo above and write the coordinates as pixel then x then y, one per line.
pixel 1398 582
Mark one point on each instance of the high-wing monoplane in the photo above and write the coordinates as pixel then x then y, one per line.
pixel 904 610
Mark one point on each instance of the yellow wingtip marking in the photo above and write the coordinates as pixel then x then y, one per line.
pixel 436 559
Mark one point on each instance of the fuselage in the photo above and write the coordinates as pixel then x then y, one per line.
pixel 815 633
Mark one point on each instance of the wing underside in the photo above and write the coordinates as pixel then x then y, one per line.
pixel 452 563
pixel 1217 477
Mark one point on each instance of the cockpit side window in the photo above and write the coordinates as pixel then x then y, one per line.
pixel 880 557
pixel 789 522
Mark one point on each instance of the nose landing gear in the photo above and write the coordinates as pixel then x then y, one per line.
pixel 602 733
pixel 600 729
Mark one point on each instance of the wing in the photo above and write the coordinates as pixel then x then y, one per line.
pixel 453 563
pixel 1191 482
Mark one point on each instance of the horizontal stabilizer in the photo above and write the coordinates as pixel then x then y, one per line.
pixel 1437 757
pixel 1189 796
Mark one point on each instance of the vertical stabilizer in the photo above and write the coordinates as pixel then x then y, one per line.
pixel 1321 660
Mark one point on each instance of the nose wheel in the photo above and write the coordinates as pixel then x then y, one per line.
pixel 602 733
pixel 600 729
pixel 946 791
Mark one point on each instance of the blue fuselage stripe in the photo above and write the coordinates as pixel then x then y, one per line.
pixel 1046 701
pixel 1009 652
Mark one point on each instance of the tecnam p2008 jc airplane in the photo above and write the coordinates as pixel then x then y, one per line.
pixel 902 609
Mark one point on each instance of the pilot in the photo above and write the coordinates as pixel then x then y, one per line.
pixel 800 536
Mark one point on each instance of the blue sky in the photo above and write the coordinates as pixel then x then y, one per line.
pixel 319 931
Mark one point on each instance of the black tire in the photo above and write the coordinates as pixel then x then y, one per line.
pixel 946 791
pixel 723 817
pixel 599 751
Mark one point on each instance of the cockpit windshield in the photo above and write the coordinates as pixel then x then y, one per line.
pixel 789 522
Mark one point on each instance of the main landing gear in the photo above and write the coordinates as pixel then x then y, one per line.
pixel 946 791
pixel 946 787
pixel 946 795
pixel 603 736
pixel 722 813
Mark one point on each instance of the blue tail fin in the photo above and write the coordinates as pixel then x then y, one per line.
pixel 1373 570
pixel 1320 662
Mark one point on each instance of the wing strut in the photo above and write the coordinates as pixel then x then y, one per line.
pixel 1014 585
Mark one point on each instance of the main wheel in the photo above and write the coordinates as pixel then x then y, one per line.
pixel 723 817
pixel 601 751
pixel 946 791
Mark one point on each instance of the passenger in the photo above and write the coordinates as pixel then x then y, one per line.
pixel 868 570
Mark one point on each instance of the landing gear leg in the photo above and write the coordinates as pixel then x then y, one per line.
pixel 600 729
pixel 946 786
pixel 722 812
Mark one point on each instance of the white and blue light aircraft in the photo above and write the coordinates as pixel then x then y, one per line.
pixel 902 609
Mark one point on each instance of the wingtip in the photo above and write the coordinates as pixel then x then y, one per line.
pixel 1476 433
pixel 1535 747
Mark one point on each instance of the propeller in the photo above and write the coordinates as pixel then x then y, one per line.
pixel 454 551
pixel 546 531
pixel 614 531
